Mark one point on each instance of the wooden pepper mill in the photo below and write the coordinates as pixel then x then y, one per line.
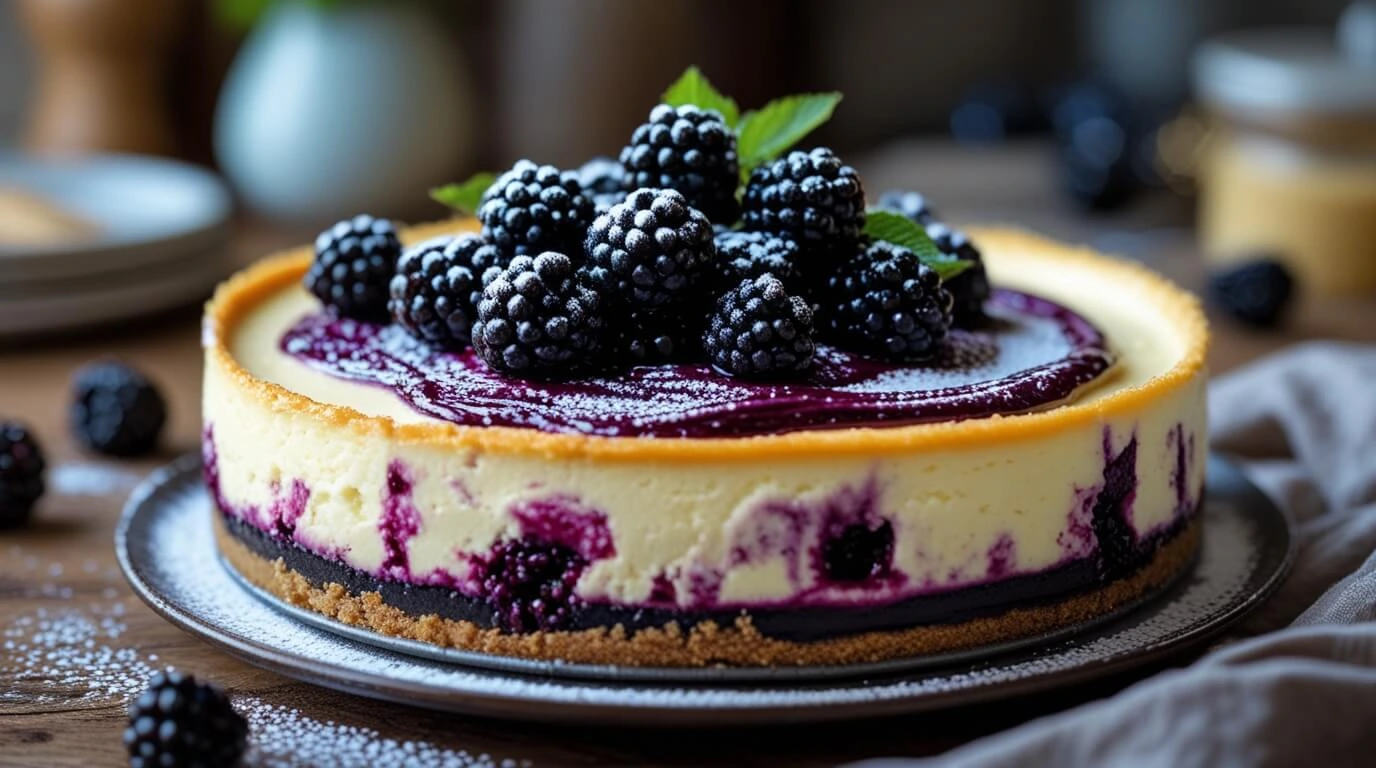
pixel 102 74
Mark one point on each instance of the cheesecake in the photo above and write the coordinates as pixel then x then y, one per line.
pixel 1041 470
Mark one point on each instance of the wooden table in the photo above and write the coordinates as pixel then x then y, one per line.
pixel 65 562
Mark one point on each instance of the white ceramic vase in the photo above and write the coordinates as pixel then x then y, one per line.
pixel 331 112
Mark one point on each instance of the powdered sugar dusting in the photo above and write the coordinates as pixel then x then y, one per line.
pixel 90 480
pixel 78 654
pixel 285 738
pixel 73 648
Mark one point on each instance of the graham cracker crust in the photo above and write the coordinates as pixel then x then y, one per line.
pixel 705 643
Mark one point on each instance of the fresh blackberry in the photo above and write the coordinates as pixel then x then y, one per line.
pixel 603 180
pixel 354 262
pixel 911 204
pixel 21 474
pixel 180 723
pixel 602 202
pixel 1256 292
pixel 529 584
pixel 432 294
pixel 884 302
pixel 759 331
pixel 116 410
pixel 538 318
pixel 810 197
pixel 534 208
pixel 969 289
pixel 651 338
pixel 472 250
pixel 602 175
pixel 858 552
pixel 746 255
pixel 649 250
pixel 690 150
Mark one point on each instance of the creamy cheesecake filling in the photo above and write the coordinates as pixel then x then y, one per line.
pixel 839 555
pixel 548 533
pixel 1034 354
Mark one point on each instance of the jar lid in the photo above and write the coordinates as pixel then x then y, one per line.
pixel 1293 69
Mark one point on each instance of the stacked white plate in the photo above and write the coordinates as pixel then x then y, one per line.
pixel 162 241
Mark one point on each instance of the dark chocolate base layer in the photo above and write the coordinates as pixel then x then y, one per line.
pixel 684 642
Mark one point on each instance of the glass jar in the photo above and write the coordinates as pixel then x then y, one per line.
pixel 1290 168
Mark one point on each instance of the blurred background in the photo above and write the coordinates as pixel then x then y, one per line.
pixel 1166 130
pixel 562 79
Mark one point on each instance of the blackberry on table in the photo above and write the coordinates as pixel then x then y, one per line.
pixel 354 262
pixel 178 722
pixel 810 197
pixel 432 294
pixel 743 255
pixel 1256 292
pixel 538 318
pixel 884 302
pixel 21 474
pixel 116 410
pixel 758 330
pixel 534 208
pixel 650 250
pixel 913 205
pixel 690 150
pixel 969 289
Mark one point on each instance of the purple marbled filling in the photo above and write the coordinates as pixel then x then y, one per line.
pixel 1035 354
pixel 530 582
pixel 400 521
pixel 1183 445
pixel 279 516
pixel 838 552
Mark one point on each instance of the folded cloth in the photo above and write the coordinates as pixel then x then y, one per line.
pixel 1300 689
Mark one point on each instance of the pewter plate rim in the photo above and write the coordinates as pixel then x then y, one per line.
pixel 828 695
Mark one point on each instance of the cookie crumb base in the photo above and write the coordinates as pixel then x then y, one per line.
pixel 705 643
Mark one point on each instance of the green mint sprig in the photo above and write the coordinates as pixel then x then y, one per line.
pixel 903 231
pixel 762 134
pixel 240 15
pixel 464 197
pixel 774 128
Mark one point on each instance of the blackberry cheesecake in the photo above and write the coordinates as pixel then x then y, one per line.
pixel 596 423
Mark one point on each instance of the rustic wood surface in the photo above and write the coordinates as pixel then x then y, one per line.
pixel 65 560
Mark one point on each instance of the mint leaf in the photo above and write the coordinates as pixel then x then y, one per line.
pixel 466 196
pixel 240 15
pixel 768 132
pixel 692 87
pixel 901 230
